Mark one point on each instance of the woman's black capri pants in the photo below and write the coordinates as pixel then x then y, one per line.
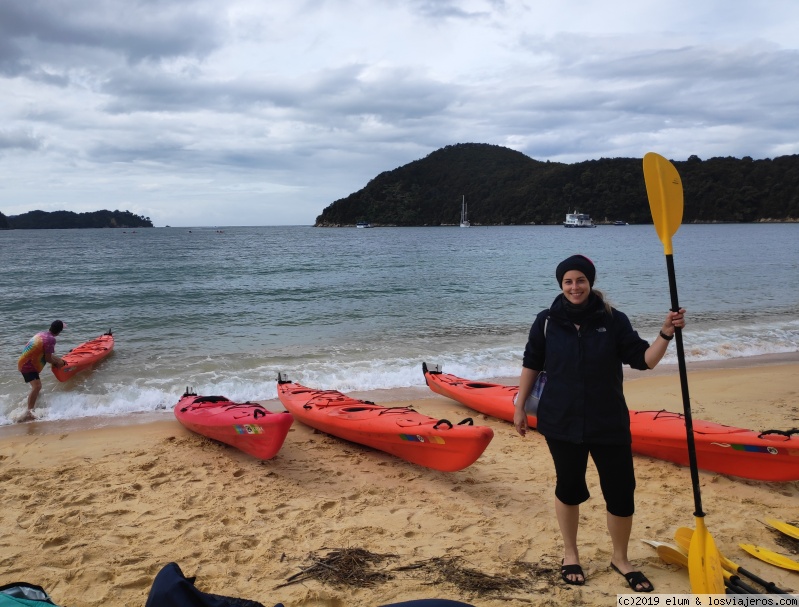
pixel 614 463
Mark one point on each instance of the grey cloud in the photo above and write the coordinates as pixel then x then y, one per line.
pixel 448 9
pixel 34 30
pixel 171 155
pixel 328 96
pixel 20 140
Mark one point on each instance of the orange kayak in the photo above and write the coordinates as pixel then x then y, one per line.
pixel 400 431
pixel 84 356
pixel 772 455
pixel 249 427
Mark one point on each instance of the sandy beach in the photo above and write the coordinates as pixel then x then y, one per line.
pixel 93 514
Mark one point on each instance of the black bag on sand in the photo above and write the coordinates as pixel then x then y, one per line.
pixel 173 589
pixel 429 603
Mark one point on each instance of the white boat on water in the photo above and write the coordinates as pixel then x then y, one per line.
pixel 363 224
pixel 464 221
pixel 578 220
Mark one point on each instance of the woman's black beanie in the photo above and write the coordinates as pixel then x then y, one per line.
pixel 576 262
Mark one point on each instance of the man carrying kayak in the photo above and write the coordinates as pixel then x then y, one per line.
pixel 37 352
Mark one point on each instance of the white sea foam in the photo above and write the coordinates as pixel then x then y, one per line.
pixel 370 374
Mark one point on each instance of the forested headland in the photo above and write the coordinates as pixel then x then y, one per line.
pixel 37 220
pixel 505 187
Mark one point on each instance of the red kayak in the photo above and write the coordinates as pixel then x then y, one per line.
pixel 772 455
pixel 84 356
pixel 249 427
pixel 400 431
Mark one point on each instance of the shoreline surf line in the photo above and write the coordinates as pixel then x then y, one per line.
pixel 392 395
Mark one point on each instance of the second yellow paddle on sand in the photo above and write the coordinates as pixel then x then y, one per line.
pixel 784 528
pixel 675 555
pixel 772 558
pixel 683 537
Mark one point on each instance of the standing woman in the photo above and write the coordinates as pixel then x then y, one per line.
pixel 582 342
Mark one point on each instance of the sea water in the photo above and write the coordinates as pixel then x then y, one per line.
pixel 223 310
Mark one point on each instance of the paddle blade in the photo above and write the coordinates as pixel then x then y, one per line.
pixel 704 563
pixel 671 555
pixel 683 537
pixel 772 558
pixel 785 528
pixel 655 544
pixel 664 190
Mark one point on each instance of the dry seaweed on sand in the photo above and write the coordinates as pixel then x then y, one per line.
pixel 788 543
pixel 356 567
pixel 453 571
pixel 343 567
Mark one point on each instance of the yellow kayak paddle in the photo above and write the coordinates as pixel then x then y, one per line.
pixel 675 555
pixel 784 528
pixel 664 190
pixel 683 537
pixel 772 558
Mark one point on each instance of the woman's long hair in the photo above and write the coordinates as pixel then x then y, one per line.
pixel 605 302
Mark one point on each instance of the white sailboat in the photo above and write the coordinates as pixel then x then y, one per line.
pixel 464 221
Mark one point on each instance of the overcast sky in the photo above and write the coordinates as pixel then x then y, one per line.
pixel 263 112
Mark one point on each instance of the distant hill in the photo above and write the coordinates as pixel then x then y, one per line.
pixel 35 220
pixel 505 187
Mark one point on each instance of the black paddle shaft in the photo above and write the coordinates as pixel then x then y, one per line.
pixel 739 583
pixel 686 400
pixel 770 586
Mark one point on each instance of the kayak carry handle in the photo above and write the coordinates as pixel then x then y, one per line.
pixel 468 421
pixel 786 433
pixel 664 412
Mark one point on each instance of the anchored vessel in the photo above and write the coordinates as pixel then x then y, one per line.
pixel 464 221
pixel 578 220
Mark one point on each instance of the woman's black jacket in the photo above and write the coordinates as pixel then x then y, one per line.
pixel 583 400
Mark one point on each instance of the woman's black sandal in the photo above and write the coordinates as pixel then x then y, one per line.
pixel 635 579
pixel 567 570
